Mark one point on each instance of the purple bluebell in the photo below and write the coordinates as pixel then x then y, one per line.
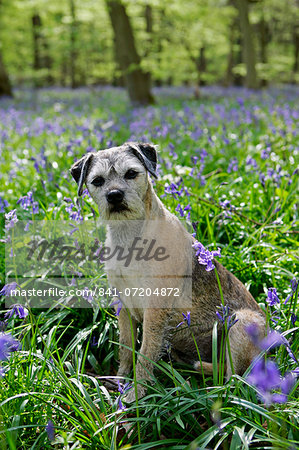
pixel 180 210
pixel 272 298
pixel 224 316
pixel 272 340
pixel 85 193
pixel 294 285
pixel 186 318
pixel 27 201
pixel 253 331
pixel 7 345
pixel 11 219
pixel 18 311
pixel 204 256
pixel 233 165
pixel 3 204
pixel 74 229
pixel 122 390
pixel 119 304
pixel 227 208
pixel 8 288
pixel 50 429
pixel 251 162
pixel 266 377
pixel 94 342
pixel 26 228
pixel 173 189
pixel 265 153
pixel 74 213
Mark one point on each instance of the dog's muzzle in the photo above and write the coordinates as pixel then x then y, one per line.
pixel 115 197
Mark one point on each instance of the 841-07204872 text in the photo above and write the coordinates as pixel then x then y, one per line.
pixel 141 292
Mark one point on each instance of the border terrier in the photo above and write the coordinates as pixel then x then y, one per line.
pixel 118 180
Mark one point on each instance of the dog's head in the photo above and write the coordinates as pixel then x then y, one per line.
pixel 117 178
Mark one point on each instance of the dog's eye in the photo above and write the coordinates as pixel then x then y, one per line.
pixel 131 174
pixel 98 181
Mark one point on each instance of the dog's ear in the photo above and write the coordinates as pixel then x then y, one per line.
pixel 147 154
pixel 79 171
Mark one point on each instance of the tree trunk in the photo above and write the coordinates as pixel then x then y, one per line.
pixel 41 56
pixel 234 56
pixel 296 48
pixel 201 66
pixel 248 45
pixel 5 86
pixel 137 82
pixel 36 34
pixel 73 46
pixel 264 38
pixel 230 59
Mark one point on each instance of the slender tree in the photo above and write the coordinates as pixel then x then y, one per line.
pixel 249 57
pixel 264 39
pixel 73 45
pixel 137 81
pixel 296 48
pixel 5 86
pixel 36 34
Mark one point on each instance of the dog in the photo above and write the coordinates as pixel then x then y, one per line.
pixel 118 179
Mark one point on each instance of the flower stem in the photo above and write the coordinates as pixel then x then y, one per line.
pixel 134 375
pixel 225 324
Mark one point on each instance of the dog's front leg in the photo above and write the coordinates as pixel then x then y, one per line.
pixel 154 324
pixel 125 339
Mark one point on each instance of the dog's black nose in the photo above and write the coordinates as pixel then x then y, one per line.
pixel 115 196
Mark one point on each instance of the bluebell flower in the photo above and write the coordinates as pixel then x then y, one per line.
pixel 272 298
pixel 18 311
pixel 265 153
pixel 227 206
pixel 272 340
pixel 3 204
pixel 204 256
pixel 224 316
pixel 294 284
pixel 119 304
pixel 7 345
pixel 8 288
pixel 186 318
pixel 122 390
pixel 180 210
pixel 27 201
pixel 85 193
pixel 50 429
pixel 94 342
pixel 75 214
pixel 11 219
pixel 251 162
pixel 266 377
pixel 233 165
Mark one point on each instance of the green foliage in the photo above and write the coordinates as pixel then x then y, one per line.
pixel 169 50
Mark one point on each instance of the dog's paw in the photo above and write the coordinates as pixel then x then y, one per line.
pixel 130 396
